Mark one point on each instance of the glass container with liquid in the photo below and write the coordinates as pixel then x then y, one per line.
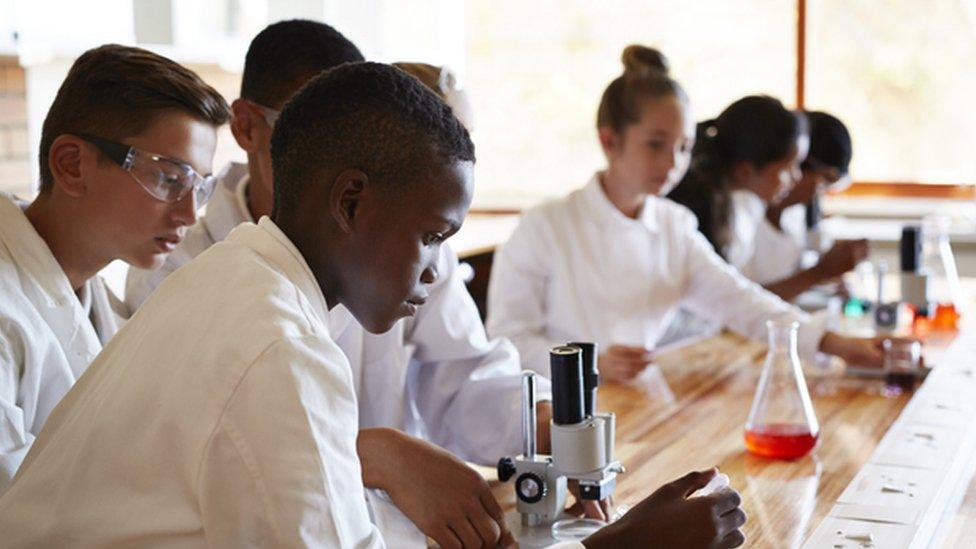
pixel 781 423
pixel 902 364
pixel 938 262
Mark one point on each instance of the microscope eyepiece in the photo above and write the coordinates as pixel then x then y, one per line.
pixel 566 368
pixel 591 377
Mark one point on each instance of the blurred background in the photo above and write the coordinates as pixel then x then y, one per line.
pixel 899 73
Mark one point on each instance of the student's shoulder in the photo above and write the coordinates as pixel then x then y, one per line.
pixel 21 324
pixel 552 213
pixel 672 214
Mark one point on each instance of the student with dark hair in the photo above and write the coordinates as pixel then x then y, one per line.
pixel 613 261
pixel 125 159
pixel 746 163
pixel 782 234
pixel 743 160
pixel 435 376
pixel 445 84
pixel 280 59
pixel 226 397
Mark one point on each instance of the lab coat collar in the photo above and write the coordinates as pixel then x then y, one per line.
pixel 32 254
pixel 228 207
pixel 268 240
pixel 55 300
pixel 605 209
pixel 750 202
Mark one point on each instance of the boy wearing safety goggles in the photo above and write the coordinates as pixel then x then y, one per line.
pixel 125 162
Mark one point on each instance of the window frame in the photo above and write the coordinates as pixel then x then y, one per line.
pixel 860 188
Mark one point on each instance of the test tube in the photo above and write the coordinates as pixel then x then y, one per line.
pixel 528 414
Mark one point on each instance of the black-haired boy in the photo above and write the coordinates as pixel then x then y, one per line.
pixel 436 375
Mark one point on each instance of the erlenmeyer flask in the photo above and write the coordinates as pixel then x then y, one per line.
pixel 781 421
pixel 938 262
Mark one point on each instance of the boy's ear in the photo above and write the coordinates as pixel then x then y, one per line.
pixel 68 159
pixel 244 125
pixel 345 196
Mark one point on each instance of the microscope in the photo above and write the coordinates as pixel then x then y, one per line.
pixel 582 447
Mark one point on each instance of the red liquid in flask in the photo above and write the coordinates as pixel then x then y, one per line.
pixel 780 441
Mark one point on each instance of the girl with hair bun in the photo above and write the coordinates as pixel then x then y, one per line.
pixel 613 261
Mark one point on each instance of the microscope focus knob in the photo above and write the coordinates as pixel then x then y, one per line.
pixel 530 488
pixel 506 469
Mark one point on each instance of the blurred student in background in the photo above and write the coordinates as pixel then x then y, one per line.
pixel 746 162
pixel 783 233
pixel 613 261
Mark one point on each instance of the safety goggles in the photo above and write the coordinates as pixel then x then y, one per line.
pixel 165 179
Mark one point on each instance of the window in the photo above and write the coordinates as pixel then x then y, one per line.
pixel 536 71
pixel 901 75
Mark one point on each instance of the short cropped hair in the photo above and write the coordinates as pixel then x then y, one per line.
pixel 368 116
pixel 286 54
pixel 116 92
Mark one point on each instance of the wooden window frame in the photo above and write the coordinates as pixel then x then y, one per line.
pixel 898 189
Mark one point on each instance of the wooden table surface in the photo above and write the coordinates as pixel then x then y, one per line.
pixel 689 413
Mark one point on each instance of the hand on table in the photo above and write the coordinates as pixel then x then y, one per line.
pixel 670 518
pixel 447 500
pixel 601 510
pixel 622 362
pixel 842 257
pixel 867 352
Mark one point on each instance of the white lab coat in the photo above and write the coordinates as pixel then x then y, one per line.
pixel 435 376
pixel 782 249
pixel 576 268
pixel 748 212
pixel 221 415
pixel 48 333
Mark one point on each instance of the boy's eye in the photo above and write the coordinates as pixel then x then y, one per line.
pixel 655 145
pixel 433 238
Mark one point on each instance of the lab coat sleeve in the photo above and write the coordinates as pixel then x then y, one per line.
pixel 717 290
pixel 15 439
pixel 281 468
pixel 518 291
pixel 467 388
pixel 16 350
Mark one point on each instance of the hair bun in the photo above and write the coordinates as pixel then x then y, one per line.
pixel 644 61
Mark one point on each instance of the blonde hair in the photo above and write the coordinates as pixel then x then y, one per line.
pixel 445 84
pixel 646 76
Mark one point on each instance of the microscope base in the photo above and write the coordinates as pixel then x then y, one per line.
pixel 533 537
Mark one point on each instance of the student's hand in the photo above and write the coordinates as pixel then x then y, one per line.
pixel 622 362
pixel 670 518
pixel 600 510
pixel 855 351
pixel 842 257
pixel 447 500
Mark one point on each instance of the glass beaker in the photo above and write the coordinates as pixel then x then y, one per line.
pixel 938 262
pixel 902 364
pixel 781 422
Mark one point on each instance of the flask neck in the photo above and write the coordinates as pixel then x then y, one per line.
pixel 782 337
